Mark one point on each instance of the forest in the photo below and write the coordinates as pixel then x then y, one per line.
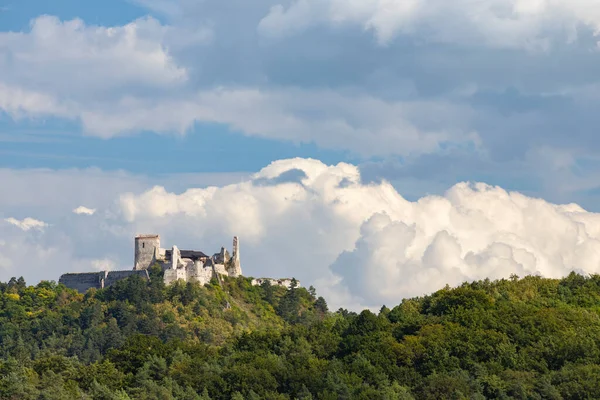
pixel 516 338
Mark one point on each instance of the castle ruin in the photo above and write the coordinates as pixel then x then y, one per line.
pixel 185 265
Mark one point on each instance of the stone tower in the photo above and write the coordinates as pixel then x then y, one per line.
pixel 146 247
pixel 235 268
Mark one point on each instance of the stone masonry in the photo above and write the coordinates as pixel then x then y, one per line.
pixel 98 280
pixel 186 265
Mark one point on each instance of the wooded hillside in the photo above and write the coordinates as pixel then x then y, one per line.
pixel 529 338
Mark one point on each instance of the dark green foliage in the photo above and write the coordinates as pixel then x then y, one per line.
pixel 529 338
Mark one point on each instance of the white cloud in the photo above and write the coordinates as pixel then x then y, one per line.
pixel 54 53
pixel 21 103
pixel 362 124
pixel 68 69
pixel 364 244
pixel 103 264
pixel 60 249
pixel 498 23
pixel 473 232
pixel 81 210
pixel 27 224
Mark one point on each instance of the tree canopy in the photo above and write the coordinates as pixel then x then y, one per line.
pixel 529 338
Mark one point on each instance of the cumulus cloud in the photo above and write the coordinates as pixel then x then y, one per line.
pixel 364 244
pixel 81 210
pixel 530 24
pixel 27 224
pixel 473 232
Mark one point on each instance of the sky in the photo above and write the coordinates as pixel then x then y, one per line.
pixel 376 149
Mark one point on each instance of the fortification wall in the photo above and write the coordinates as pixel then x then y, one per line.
pixel 98 280
pixel 82 282
pixel 199 273
pixel 172 275
pixel 220 269
pixel 114 276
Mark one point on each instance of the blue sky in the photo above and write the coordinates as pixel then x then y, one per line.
pixel 58 145
pixel 16 15
pixel 104 100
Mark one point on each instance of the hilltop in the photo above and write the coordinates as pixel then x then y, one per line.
pixel 529 338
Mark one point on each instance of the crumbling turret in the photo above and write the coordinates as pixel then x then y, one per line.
pixel 234 266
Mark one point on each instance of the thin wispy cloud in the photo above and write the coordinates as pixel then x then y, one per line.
pixel 27 224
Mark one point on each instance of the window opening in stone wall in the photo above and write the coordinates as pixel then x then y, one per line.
pixel 143 245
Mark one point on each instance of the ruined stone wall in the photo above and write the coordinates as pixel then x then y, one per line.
pixel 285 282
pixel 114 276
pixel 165 265
pixel 220 269
pixel 199 273
pixel 83 281
pixel 160 254
pixel 98 280
pixel 221 257
pixel 234 266
pixel 170 276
